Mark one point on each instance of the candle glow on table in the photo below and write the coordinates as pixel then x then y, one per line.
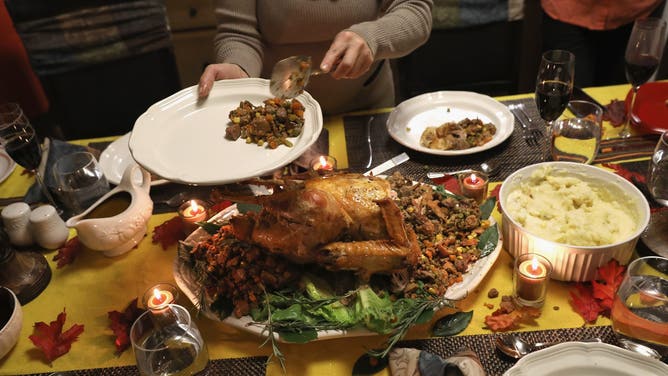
pixel 531 275
pixel 160 299
pixel 191 212
pixel 323 163
pixel 474 185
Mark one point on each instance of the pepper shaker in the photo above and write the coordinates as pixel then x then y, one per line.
pixel 47 228
pixel 16 218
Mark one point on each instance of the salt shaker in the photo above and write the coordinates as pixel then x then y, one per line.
pixel 47 228
pixel 15 218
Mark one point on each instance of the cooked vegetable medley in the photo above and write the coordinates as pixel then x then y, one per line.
pixel 270 124
pixel 465 134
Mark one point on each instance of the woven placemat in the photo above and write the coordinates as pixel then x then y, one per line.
pixel 252 366
pixel 493 361
pixel 512 154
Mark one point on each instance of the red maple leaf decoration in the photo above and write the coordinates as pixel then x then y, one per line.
pixel 68 252
pixel 219 206
pixel 584 303
pixel 591 300
pixel 169 232
pixel 121 322
pixel 50 338
pixel 449 182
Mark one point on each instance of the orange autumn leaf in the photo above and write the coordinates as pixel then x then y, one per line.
pixel 68 252
pixel 611 273
pixel 50 338
pixel 504 321
pixel 584 303
pixel 169 232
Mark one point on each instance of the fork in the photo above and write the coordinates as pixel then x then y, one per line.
pixel 530 133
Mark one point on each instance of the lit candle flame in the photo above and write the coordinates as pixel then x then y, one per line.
pixel 194 207
pixel 534 266
pixel 474 178
pixel 158 297
pixel 323 162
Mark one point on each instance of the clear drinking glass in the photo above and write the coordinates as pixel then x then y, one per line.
pixel 80 181
pixel 643 53
pixel 657 174
pixel 577 139
pixel 19 139
pixel 640 309
pixel 167 342
pixel 554 83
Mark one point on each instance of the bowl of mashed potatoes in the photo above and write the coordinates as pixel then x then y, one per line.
pixel 576 215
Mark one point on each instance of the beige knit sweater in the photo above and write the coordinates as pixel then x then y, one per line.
pixel 256 34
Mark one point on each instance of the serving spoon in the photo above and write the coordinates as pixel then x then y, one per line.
pixel 290 76
pixel 516 347
pixel 490 168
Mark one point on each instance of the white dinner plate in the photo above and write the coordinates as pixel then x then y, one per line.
pixel 411 117
pixel 182 139
pixel 7 165
pixel 583 358
pixel 188 283
pixel 116 158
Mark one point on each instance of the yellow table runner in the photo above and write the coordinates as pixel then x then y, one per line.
pixel 95 284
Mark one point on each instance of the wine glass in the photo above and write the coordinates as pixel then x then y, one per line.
pixel 554 83
pixel 643 52
pixel 20 140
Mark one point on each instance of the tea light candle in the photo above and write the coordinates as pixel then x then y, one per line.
pixel 474 185
pixel 324 163
pixel 531 275
pixel 191 212
pixel 158 297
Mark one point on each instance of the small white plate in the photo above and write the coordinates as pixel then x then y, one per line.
pixel 7 165
pixel 116 158
pixel 182 138
pixel 591 359
pixel 411 117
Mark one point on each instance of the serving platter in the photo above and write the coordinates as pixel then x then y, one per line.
pixel 411 117
pixel 592 359
pixel 187 282
pixel 182 137
pixel 116 157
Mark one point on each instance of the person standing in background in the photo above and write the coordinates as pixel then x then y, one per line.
pixel 352 40
pixel 596 32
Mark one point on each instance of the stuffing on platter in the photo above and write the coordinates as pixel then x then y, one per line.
pixel 464 134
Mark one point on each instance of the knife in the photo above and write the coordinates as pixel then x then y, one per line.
pixel 396 161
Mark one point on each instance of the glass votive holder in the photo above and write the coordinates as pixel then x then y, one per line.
pixel 160 296
pixel 531 275
pixel 323 163
pixel 191 212
pixel 473 184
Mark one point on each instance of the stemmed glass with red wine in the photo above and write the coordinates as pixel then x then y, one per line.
pixel 20 141
pixel 554 83
pixel 643 53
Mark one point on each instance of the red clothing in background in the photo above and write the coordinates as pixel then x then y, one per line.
pixel 599 14
pixel 18 82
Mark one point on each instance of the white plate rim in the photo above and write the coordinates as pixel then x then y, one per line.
pixel 116 157
pixel 455 292
pixel 152 128
pixel 9 165
pixel 586 356
pixel 402 115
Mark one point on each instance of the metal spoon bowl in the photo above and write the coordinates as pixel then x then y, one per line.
pixel 490 168
pixel 290 76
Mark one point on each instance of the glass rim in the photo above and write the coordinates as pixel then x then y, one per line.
pixel 633 264
pixel 91 160
pixel 11 110
pixel 558 56
pixel 528 256
pixel 649 22
pixel 143 316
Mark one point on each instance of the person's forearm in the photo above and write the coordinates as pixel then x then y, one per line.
pixel 237 39
pixel 405 26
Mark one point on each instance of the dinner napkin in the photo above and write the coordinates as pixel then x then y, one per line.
pixel 414 362
pixel 52 149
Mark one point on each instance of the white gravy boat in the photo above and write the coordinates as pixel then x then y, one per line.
pixel 117 221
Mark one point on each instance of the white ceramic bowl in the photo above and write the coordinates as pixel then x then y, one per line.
pixel 11 320
pixel 574 263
